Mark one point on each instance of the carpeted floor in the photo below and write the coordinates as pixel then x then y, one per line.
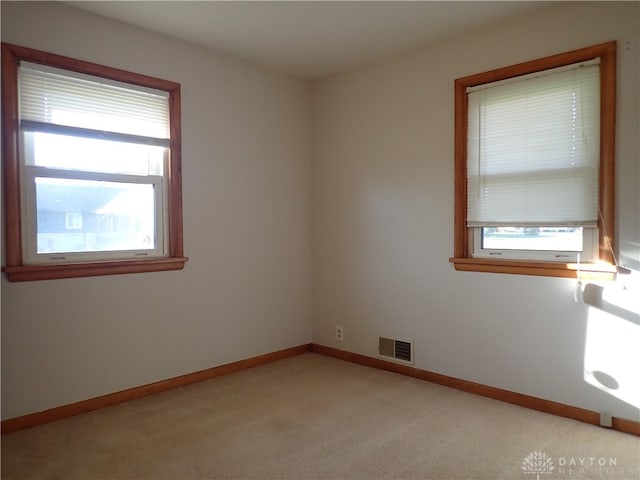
pixel 314 417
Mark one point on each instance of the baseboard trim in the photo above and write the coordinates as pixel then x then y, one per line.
pixel 534 403
pixel 84 406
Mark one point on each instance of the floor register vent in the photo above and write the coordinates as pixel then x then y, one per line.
pixel 395 350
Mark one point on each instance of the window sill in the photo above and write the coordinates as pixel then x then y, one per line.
pixel 24 273
pixel 545 269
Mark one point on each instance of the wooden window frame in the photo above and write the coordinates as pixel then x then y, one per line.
pixel 463 235
pixel 14 268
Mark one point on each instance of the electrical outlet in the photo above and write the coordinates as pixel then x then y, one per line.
pixel 340 333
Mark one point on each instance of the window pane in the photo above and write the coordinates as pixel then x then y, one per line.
pixel 93 216
pixel 92 155
pixel 561 239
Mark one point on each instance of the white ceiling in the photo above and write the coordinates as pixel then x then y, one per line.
pixel 308 38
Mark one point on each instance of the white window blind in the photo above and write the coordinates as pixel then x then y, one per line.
pixel 57 100
pixel 533 149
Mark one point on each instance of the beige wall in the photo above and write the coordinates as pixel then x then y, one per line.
pixel 382 189
pixel 245 290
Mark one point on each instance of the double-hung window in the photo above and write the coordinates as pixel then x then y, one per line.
pixel 534 165
pixel 92 169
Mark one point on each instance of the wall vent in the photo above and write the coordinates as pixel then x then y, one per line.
pixel 395 350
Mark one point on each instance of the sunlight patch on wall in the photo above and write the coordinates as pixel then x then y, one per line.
pixel 612 353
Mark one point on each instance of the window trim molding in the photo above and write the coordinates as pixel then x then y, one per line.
pixel 14 268
pixel 463 235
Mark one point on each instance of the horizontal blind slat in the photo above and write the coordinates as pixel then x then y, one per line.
pixel 48 96
pixel 533 150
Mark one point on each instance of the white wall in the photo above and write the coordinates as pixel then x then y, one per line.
pixel 381 179
pixel 382 218
pixel 245 290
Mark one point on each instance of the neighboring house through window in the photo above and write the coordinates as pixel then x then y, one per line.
pixel 92 168
pixel 534 166
pixel 73 220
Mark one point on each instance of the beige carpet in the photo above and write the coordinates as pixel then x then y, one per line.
pixel 313 417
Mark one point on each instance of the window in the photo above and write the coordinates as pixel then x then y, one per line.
pixel 92 169
pixel 73 220
pixel 534 166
